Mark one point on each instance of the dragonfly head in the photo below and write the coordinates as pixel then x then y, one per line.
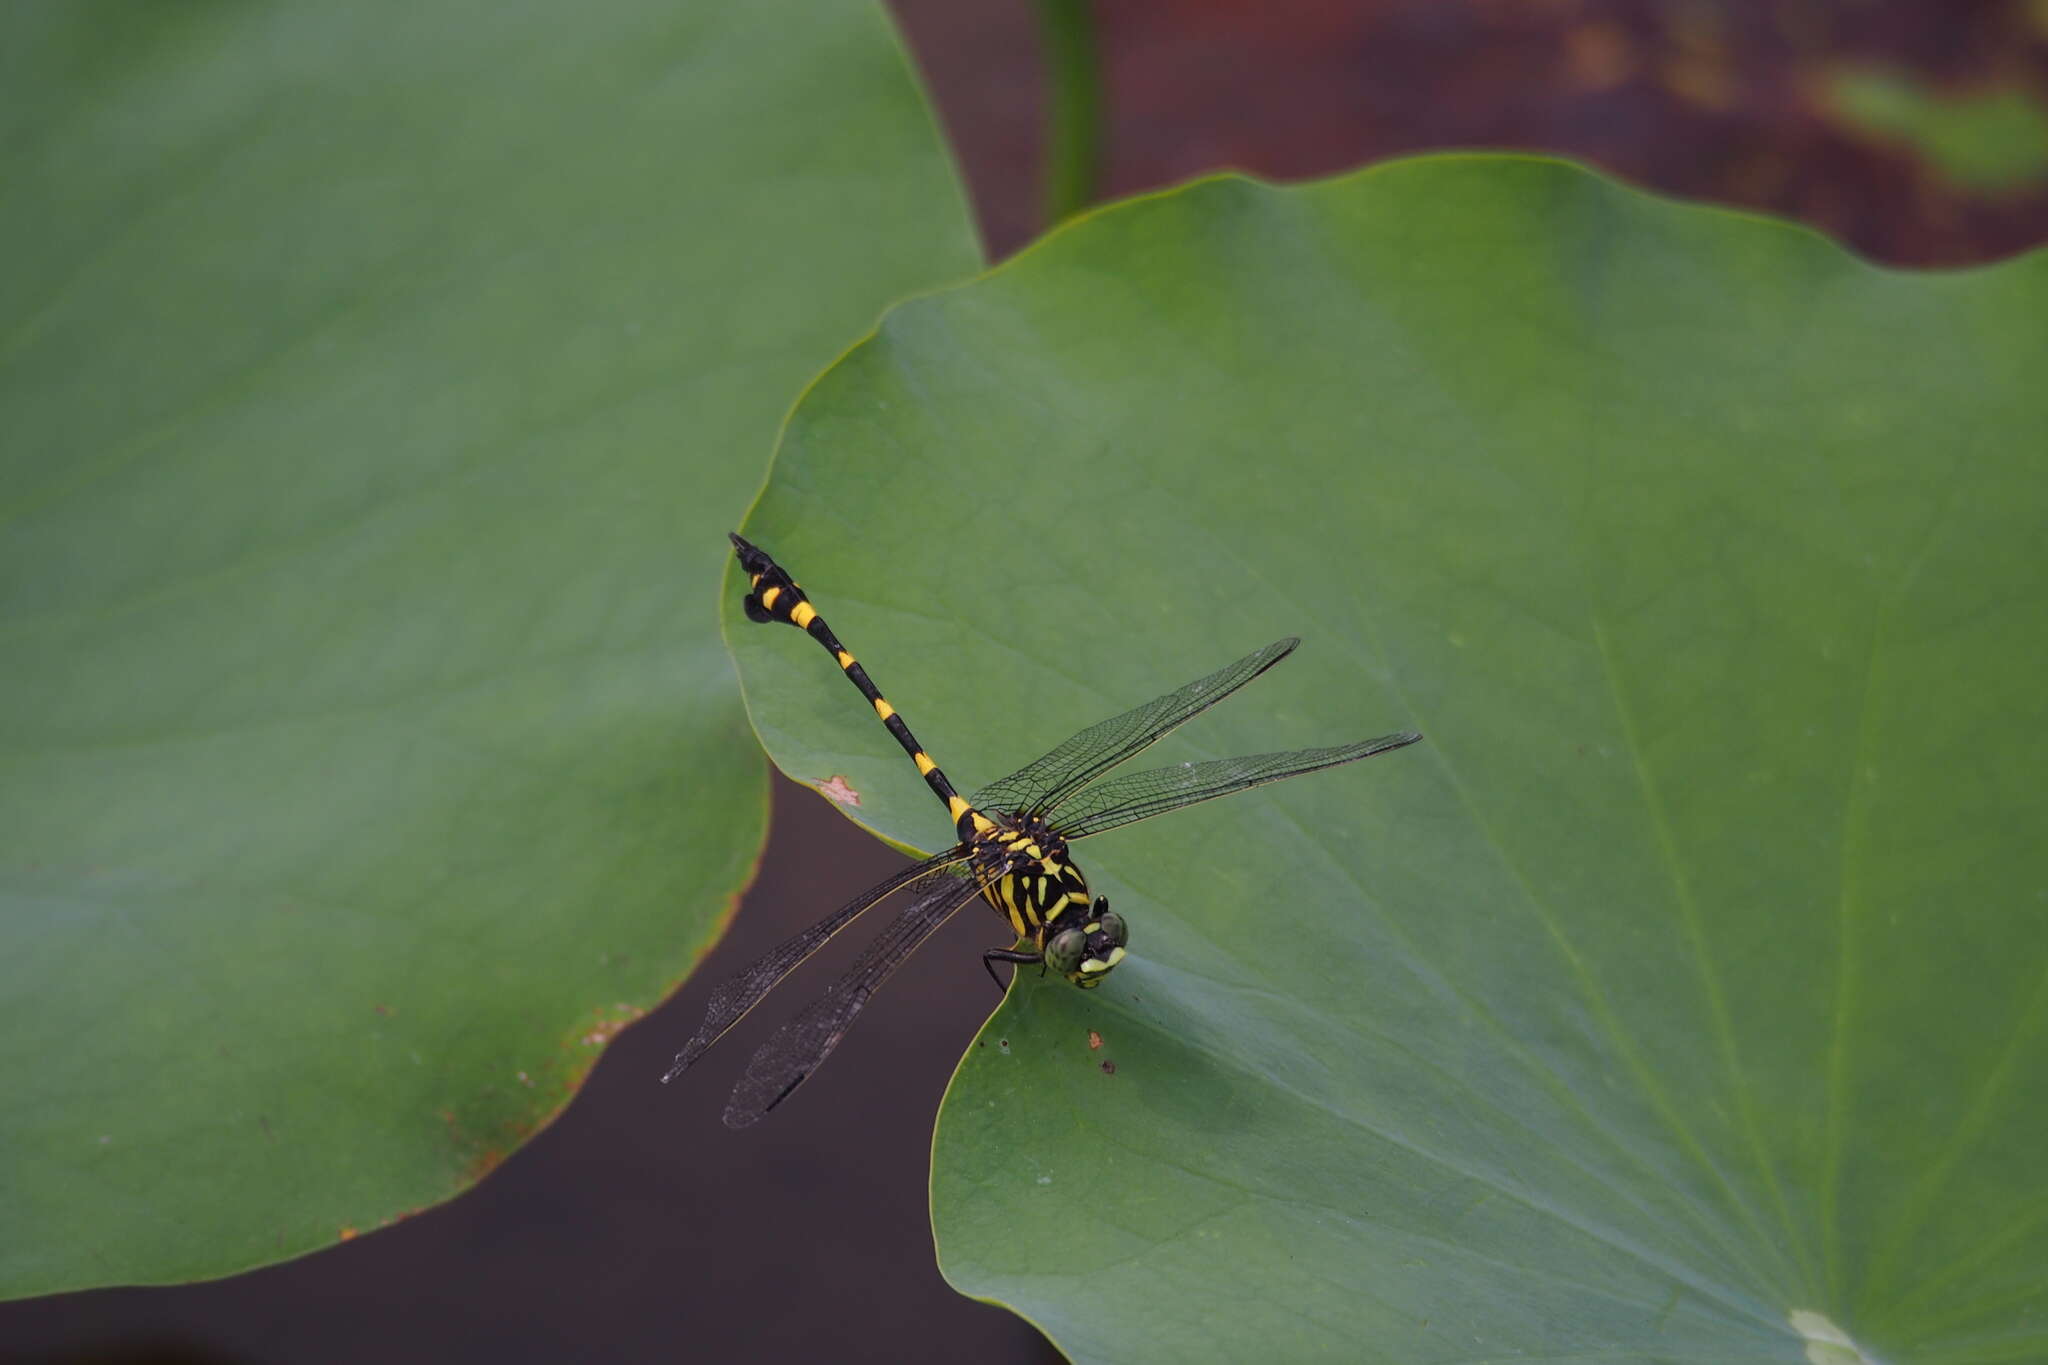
pixel 1085 953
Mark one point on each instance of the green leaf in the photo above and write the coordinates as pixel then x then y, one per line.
pixel 380 381
pixel 1681 998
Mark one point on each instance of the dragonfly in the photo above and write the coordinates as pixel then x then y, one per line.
pixel 1011 851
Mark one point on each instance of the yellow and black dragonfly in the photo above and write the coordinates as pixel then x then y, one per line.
pixel 1011 851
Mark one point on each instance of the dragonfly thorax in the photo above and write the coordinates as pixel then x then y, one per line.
pixel 1031 882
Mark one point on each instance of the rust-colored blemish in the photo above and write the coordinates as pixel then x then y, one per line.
pixel 495 1122
pixel 347 1235
pixel 481 1163
pixel 390 1219
pixel 837 788
pixel 1094 1040
pixel 608 1025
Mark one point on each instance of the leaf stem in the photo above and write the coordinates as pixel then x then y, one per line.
pixel 1073 133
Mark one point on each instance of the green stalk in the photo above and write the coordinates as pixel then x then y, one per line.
pixel 1073 134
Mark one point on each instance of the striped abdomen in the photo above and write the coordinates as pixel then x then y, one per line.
pixel 774 596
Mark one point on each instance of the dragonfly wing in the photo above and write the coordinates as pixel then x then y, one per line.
pixel 800 1046
pixel 1132 797
pixel 731 1001
pixel 1042 785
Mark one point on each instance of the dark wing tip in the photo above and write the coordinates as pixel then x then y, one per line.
pixel 745 1113
pixel 1267 656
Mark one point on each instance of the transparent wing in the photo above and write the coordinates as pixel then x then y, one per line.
pixel 730 1002
pixel 1041 786
pixel 1140 796
pixel 782 1063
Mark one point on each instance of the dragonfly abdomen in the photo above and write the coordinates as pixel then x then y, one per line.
pixel 774 596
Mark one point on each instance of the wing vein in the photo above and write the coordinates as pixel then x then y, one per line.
pixel 1039 787
pixel 801 1045
pixel 1131 797
pixel 745 989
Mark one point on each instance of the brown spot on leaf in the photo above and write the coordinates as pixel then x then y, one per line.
pixel 837 788
pixel 481 1163
pixel 606 1026
pixel 1108 1067
pixel 489 1125
pixel 392 1218
pixel 1094 1040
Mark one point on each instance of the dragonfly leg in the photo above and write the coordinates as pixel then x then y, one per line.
pixel 990 958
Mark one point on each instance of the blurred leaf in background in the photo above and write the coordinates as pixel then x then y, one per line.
pixel 1722 102
pixel 1987 141
pixel 1681 998
pixel 379 381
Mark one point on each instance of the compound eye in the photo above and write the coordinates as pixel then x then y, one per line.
pixel 1065 951
pixel 1112 924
